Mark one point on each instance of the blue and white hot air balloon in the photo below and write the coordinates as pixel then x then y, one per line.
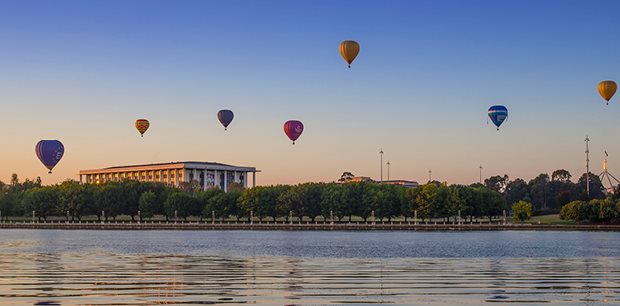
pixel 49 152
pixel 498 114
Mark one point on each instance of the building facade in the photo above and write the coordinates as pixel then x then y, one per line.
pixel 205 174
pixel 404 183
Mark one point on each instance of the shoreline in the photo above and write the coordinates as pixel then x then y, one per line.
pixel 311 226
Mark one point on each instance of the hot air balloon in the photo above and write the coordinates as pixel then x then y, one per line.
pixel 498 113
pixel 293 129
pixel 142 125
pixel 349 50
pixel 225 117
pixel 607 89
pixel 49 152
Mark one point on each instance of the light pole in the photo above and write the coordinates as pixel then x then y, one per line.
pixel 381 153
pixel 430 177
pixel 480 174
pixel 587 167
pixel 388 166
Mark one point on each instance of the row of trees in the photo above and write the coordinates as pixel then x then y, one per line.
pixel 340 201
pixel 547 193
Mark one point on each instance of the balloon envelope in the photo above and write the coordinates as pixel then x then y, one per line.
pixel 293 129
pixel 50 152
pixel 607 89
pixel 142 125
pixel 498 113
pixel 225 117
pixel 349 50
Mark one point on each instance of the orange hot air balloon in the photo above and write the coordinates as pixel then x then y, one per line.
pixel 349 50
pixel 607 89
pixel 142 125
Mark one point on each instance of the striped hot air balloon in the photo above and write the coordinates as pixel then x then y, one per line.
pixel 607 89
pixel 349 50
pixel 142 125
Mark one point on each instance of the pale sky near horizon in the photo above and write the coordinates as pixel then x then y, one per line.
pixel 83 71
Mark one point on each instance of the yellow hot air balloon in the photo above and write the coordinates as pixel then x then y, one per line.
pixel 607 89
pixel 349 50
pixel 142 125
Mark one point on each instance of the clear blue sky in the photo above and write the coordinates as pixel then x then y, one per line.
pixel 83 71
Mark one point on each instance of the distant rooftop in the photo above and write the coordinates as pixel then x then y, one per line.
pixel 172 165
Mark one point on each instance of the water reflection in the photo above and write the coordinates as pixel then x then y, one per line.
pixel 105 278
pixel 82 271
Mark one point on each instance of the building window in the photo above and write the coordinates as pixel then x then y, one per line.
pixel 210 178
pixel 231 177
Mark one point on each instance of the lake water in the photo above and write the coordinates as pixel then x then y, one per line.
pixel 65 267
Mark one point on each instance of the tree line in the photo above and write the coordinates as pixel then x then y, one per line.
pixel 340 201
pixel 547 193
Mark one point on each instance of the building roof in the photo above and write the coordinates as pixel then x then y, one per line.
pixel 171 165
pixel 400 181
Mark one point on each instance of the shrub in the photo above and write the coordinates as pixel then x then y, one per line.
pixel 521 211
pixel 569 211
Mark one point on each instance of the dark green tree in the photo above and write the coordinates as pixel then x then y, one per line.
pixel 148 205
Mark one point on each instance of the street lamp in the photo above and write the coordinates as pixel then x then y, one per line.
pixel 381 153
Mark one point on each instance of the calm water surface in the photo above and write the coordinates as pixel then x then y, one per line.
pixel 56 267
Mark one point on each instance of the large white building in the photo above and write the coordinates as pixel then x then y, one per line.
pixel 206 174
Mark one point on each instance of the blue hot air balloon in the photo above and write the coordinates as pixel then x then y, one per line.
pixel 498 113
pixel 50 152
pixel 225 116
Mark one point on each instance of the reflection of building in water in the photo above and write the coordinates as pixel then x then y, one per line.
pixel 161 278
pixel 205 174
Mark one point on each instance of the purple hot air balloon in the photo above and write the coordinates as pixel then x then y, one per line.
pixel 225 116
pixel 293 129
pixel 50 152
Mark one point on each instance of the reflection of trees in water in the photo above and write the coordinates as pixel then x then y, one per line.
pixel 46 280
pixel 498 283
pixel 294 278
pixel 108 278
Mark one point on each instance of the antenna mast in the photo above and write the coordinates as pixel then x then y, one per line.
pixel 381 153
pixel 587 167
